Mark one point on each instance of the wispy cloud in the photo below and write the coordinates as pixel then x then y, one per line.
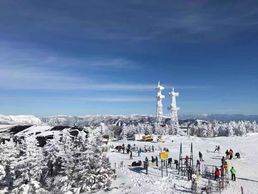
pixel 33 69
pixel 22 68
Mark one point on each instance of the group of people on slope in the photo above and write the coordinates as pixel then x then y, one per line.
pixel 225 167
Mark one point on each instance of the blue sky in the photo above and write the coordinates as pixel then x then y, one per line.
pixel 105 57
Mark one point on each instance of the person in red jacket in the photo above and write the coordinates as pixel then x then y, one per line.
pixel 216 173
pixel 222 170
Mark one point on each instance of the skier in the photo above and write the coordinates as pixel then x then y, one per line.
pixel 152 148
pixel 216 173
pixel 233 173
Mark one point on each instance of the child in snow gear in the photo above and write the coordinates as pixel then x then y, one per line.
pixel 233 174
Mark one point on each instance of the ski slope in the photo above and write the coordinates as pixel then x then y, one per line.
pixel 129 181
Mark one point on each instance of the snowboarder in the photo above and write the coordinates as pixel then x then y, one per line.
pixel 200 156
pixel 233 173
pixel 216 173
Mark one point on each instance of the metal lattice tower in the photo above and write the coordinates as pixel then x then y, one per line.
pixel 173 110
pixel 159 105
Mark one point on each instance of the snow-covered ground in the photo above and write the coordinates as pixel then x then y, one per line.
pixel 129 181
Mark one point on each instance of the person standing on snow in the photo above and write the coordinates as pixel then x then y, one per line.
pixel 131 154
pixel 233 173
pixel 152 147
pixel 200 156
pixel 216 174
pixel 222 171
pixel 198 166
pixel 157 161
pixel 139 152
pixel 223 160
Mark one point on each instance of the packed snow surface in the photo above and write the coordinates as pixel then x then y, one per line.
pixel 129 181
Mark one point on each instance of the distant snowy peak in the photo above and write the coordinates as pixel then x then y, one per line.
pixel 19 120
